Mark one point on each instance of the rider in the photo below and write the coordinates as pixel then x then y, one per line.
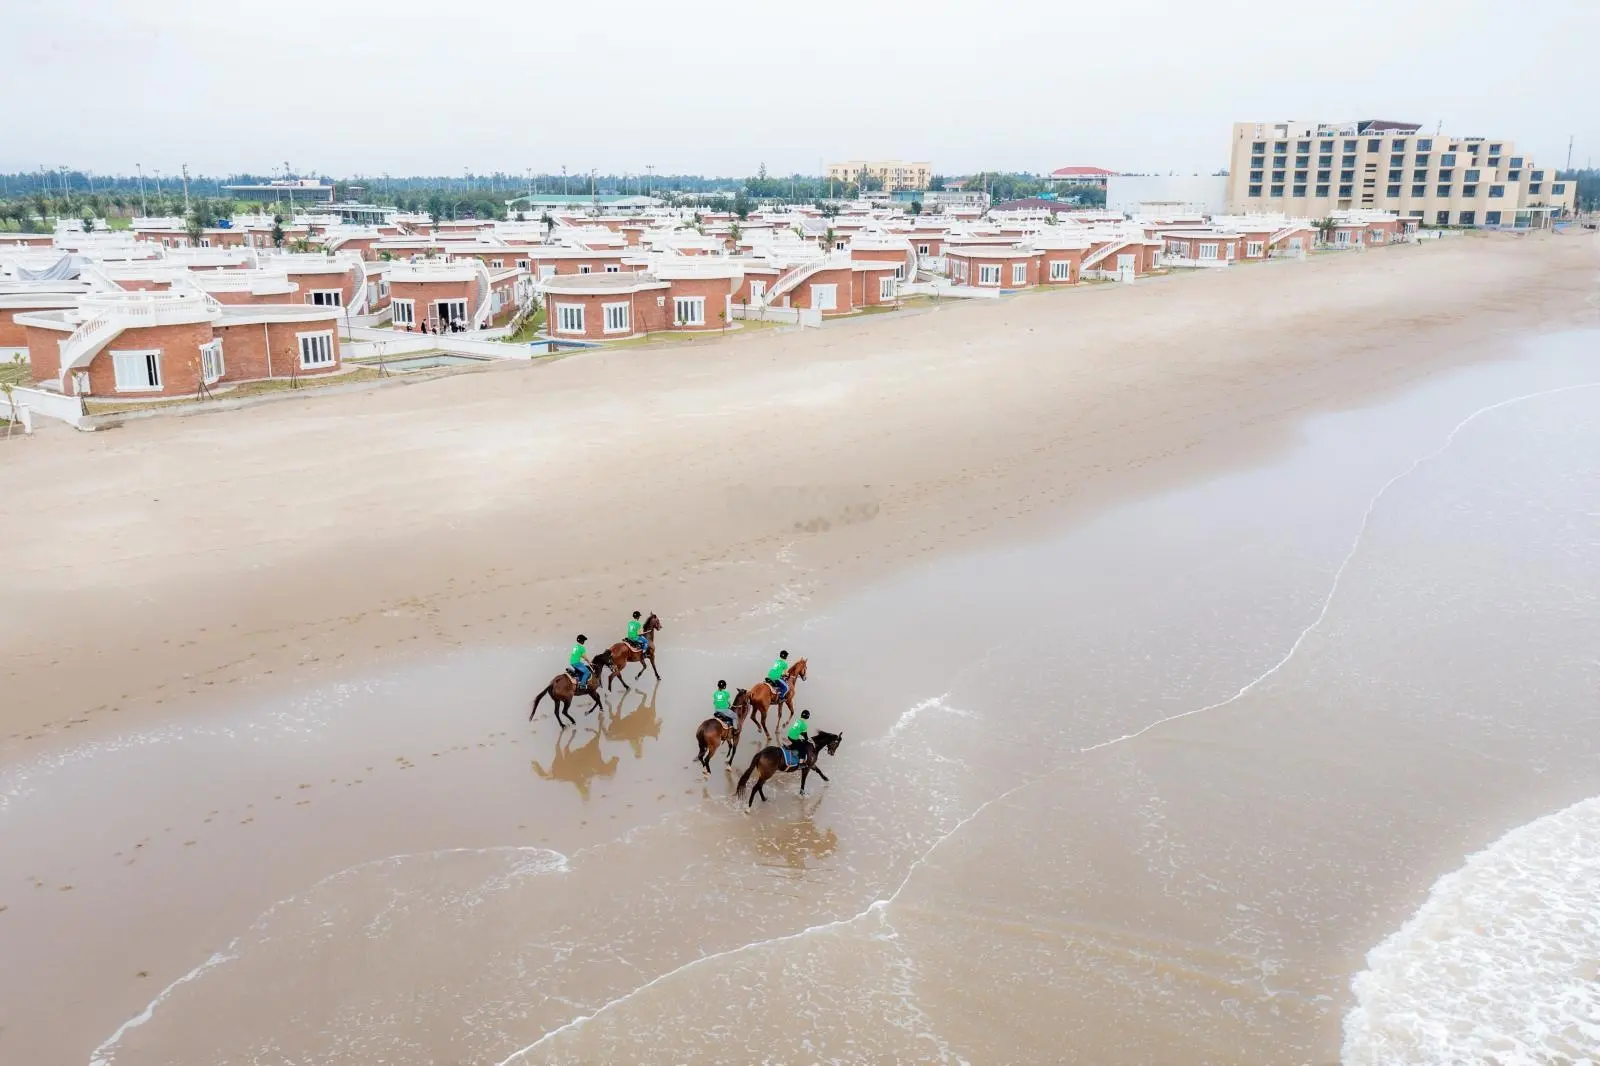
pixel 722 702
pixel 799 736
pixel 578 661
pixel 780 666
pixel 636 635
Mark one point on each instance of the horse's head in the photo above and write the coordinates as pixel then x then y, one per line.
pixel 830 741
pixel 798 669
pixel 741 697
pixel 652 623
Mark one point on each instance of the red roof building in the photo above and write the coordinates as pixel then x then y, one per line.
pixel 1082 175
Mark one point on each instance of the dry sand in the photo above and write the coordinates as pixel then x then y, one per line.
pixel 154 561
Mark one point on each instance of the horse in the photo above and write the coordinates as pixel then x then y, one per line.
pixel 714 732
pixel 562 690
pixel 622 653
pixel 770 760
pixel 762 696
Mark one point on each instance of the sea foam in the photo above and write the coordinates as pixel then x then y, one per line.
pixel 1501 965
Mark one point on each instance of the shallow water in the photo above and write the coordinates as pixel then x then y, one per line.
pixel 1144 791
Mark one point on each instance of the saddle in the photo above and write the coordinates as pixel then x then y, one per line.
pixel 725 717
pixel 636 645
pixel 572 672
pixel 792 758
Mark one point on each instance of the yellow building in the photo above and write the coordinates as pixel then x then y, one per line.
pixel 892 174
pixel 1311 169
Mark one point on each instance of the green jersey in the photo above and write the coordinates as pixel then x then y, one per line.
pixel 722 700
pixel 778 668
pixel 578 652
pixel 798 730
pixel 634 628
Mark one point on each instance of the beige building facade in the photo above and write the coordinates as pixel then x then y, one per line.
pixel 893 173
pixel 1311 169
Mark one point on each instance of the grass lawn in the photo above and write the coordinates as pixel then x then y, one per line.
pixel 238 392
pixel 14 373
pixel 528 330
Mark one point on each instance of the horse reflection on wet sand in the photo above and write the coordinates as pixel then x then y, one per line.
pixel 578 765
pixel 638 725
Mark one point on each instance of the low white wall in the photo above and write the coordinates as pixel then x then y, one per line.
pixel 941 289
pixel 42 404
pixel 801 316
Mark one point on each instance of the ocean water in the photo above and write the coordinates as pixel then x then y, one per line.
pixel 1192 781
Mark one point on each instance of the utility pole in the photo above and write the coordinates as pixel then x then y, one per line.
pixel 566 190
pixel 186 188
pixel 1570 139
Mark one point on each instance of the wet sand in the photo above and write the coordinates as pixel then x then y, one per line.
pixel 391 863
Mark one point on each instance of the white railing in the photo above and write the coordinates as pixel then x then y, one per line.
pixel 1100 254
pixel 115 312
pixel 794 276
pixel 89 338
pixel 484 313
pixel 358 296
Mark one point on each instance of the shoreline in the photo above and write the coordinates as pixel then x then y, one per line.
pixel 658 510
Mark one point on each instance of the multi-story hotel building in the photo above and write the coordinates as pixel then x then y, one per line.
pixel 1311 169
pixel 892 173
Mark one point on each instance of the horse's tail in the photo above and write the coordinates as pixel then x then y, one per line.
pixel 534 709
pixel 744 778
pixel 700 739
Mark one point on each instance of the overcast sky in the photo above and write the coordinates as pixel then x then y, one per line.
pixel 704 86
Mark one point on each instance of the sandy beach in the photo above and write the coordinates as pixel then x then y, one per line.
pixel 270 793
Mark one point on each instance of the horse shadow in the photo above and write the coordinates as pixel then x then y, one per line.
pixel 797 842
pixel 638 725
pixel 577 765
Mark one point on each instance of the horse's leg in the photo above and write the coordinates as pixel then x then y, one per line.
pixel 818 771
pixel 653 665
pixel 804 770
pixel 761 786
pixel 594 694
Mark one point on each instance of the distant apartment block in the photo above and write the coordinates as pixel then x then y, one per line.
pixel 1075 175
pixel 892 173
pixel 1310 169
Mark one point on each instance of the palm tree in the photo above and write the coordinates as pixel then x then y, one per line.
pixel 734 233
pixel 1325 227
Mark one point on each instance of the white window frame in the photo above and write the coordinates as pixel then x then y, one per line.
pixel 1019 273
pixel 546 269
pixel 989 274
pixel 497 264
pixel 839 246
pixel 318 352
pixel 522 264
pixel 688 310
pixel 1207 250
pixel 212 366
pixel 403 312
pixel 134 369
pixel 613 268
pixel 618 318
pixel 1060 270
pixel 569 318
pixel 312 297
pixel 1253 249
pixel 383 288
pixel 1341 238
pixel 887 288
pixel 439 314
pixel 583 268
pixel 922 249
pixel 205 242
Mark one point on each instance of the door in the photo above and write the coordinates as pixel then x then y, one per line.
pixel 758 289
pixel 1124 262
pixel 824 297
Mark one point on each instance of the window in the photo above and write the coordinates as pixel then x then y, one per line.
pixel 1419 190
pixel 325 297
pixel 1537 175
pixel 1494 149
pixel 1019 273
pixel 1325 161
pixel 691 310
pixel 1469 190
pixel 616 318
pixel 1397 175
pixel 448 311
pixel 1252 249
pixel 1351 146
pixel 1375 145
pixel 1255 175
pixel 1400 144
pixel 205 242
pixel 1325 146
pixel 1442 218
pixel 613 268
pixel 569 318
pixel 1208 251
pixel 137 371
pixel 1447 160
pixel 1258 147
pixel 498 264
pixel 1299 190
pixel 1324 175
pixel 1559 188
pixel 1061 270
pixel 1322 190
pixel 1348 161
pixel 1255 190
pixel 1516 162
pixel 522 264
pixel 1277 190
pixel 922 249
pixel 1469 218
pixel 1443 190
pixel 886 288
pixel 1446 175
pixel 826 297
pixel 1491 218
pixel 405 312
pixel 1302 147
pixel 839 246
pixel 1472 175
pixel 1392 191
pixel 1422 160
pixel 583 268
pixel 1534 187
pixel 1397 161
pixel 211 367
pixel 1299 175
pixel 1347 175
pixel 1280 148
pixel 1346 190
pixel 316 349
pixel 1424 144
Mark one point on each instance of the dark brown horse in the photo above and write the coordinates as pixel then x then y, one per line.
pixel 562 690
pixel 714 732
pixel 763 695
pixel 770 760
pixel 622 653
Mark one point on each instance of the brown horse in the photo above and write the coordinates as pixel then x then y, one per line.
pixel 622 653
pixel 770 760
pixel 562 690
pixel 714 732
pixel 763 695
